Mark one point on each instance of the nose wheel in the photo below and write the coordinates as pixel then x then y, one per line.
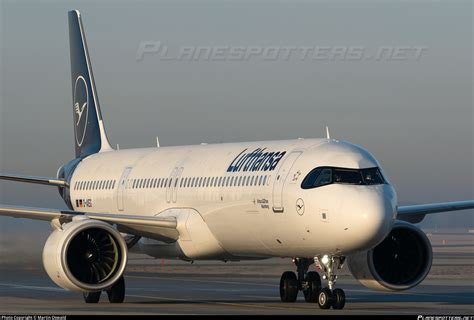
pixel 330 296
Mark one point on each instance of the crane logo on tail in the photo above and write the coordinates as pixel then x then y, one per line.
pixel 79 111
pixel 81 108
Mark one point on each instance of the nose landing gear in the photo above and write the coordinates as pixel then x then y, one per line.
pixel 310 282
pixel 328 296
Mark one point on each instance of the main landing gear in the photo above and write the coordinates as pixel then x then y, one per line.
pixel 310 282
pixel 116 293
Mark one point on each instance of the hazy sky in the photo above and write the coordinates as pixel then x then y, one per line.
pixel 414 115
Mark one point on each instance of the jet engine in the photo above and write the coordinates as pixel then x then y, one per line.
pixel 401 261
pixel 85 255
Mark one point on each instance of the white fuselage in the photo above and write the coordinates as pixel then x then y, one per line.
pixel 232 204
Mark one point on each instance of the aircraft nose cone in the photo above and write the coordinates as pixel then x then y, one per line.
pixel 369 213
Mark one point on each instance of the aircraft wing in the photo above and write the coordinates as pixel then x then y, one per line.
pixel 163 229
pixel 416 213
pixel 33 179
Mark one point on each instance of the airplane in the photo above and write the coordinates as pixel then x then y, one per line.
pixel 324 201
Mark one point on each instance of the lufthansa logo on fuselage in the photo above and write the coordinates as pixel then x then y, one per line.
pixel 257 160
pixel 81 108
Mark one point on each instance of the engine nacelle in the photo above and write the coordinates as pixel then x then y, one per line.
pixel 85 255
pixel 401 261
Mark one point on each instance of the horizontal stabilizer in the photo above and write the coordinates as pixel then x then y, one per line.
pixel 32 179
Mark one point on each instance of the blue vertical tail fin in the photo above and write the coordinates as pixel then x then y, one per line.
pixel 89 131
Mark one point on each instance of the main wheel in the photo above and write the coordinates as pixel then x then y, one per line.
pixel 312 287
pixel 288 287
pixel 117 292
pixel 339 298
pixel 325 298
pixel 91 297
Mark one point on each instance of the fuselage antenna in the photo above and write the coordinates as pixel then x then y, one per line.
pixel 328 136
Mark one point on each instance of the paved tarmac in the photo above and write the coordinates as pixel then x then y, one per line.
pixel 173 287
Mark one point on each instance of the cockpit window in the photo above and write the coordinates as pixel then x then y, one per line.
pixel 327 175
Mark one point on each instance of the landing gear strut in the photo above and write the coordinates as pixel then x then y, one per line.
pixel 329 296
pixel 116 293
pixel 310 282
